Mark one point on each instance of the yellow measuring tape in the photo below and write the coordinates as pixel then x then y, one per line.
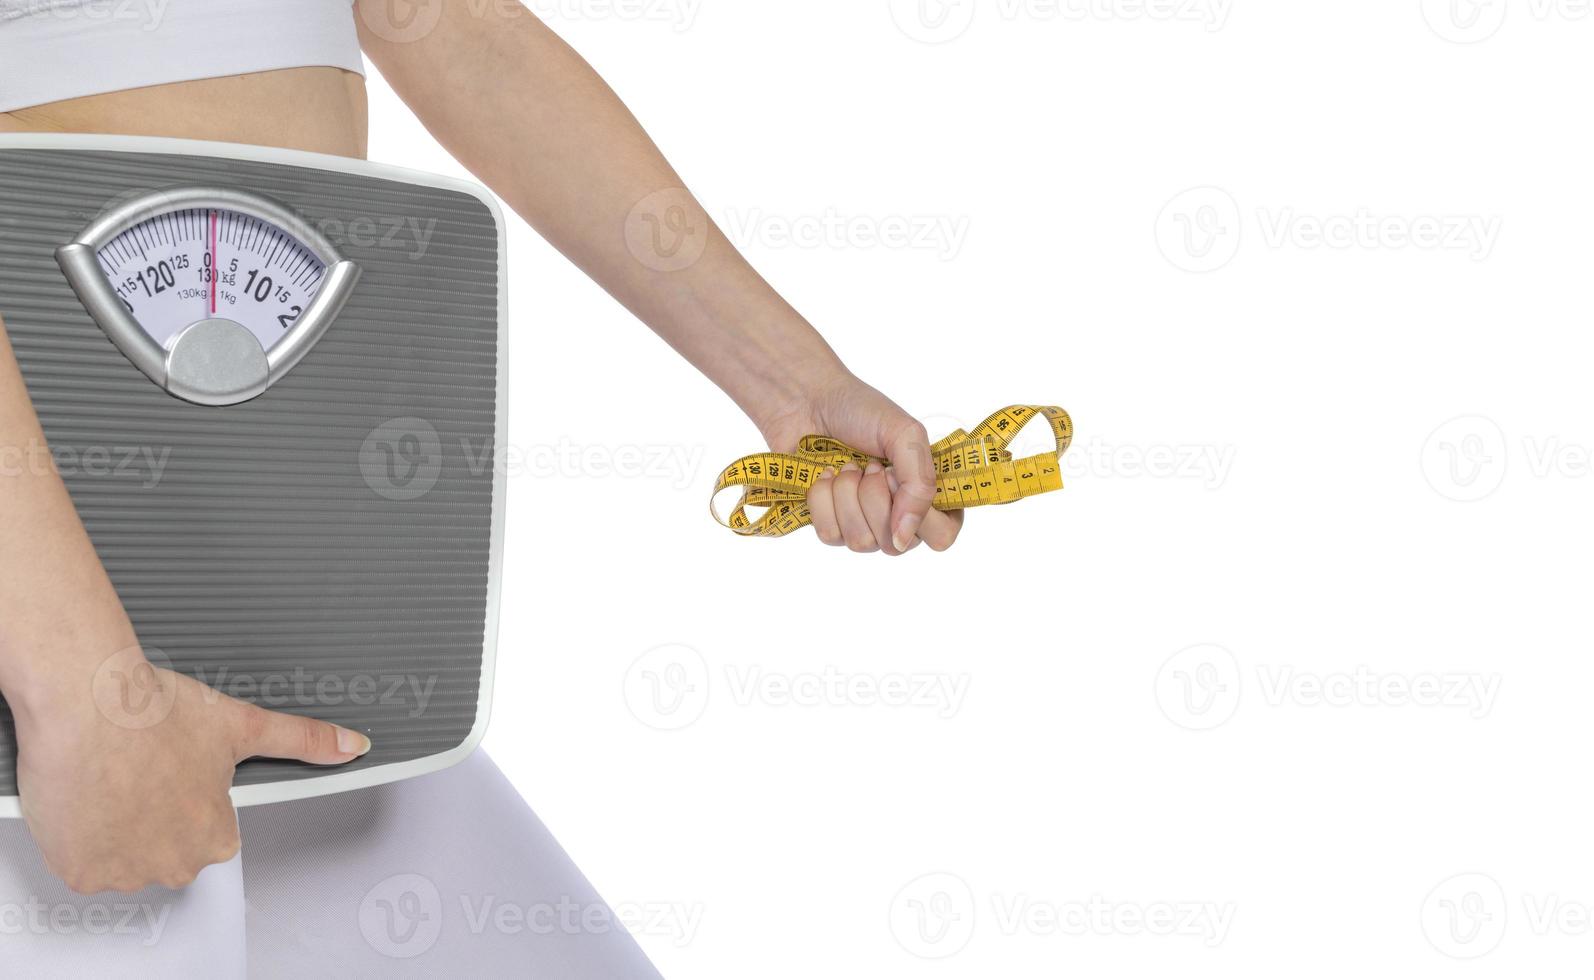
pixel 972 469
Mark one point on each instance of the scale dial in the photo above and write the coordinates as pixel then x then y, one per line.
pixel 180 267
pixel 214 294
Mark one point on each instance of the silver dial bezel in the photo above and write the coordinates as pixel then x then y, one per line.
pixel 79 261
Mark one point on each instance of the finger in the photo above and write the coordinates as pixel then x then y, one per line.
pixel 874 496
pixel 909 452
pixel 896 485
pixel 276 735
pixel 822 508
pixel 849 512
pixel 940 528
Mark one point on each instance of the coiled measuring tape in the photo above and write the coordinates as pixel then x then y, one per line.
pixel 973 469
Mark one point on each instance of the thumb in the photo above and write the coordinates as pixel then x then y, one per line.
pixel 909 452
pixel 276 735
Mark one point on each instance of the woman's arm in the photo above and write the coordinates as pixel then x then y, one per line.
pixel 123 767
pixel 529 117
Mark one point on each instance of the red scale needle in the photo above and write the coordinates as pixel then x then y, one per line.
pixel 214 272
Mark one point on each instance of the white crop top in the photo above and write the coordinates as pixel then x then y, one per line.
pixel 63 49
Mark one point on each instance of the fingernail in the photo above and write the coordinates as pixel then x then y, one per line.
pixel 848 465
pixel 905 532
pixel 353 742
pixel 827 473
pixel 872 469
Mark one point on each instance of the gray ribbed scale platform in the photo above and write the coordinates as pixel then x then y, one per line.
pixel 330 547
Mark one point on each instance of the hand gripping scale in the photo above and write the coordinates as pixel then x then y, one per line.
pixel 274 385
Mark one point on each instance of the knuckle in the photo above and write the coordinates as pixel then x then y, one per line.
pixel 254 724
pixel 223 852
pixel 176 880
pixel 311 737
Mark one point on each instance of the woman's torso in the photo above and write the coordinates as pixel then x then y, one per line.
pixel 283 73
pixel 319 109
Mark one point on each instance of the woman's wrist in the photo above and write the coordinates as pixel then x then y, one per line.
pixel 48 675
pixel 797 387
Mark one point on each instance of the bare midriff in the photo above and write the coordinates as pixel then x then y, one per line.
pixel 322 110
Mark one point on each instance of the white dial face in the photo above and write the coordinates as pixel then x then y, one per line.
pixel 181 267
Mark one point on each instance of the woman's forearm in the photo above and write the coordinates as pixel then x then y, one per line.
pixel 529 117
pixel 58 609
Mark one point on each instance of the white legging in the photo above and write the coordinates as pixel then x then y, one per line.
pixel 440 876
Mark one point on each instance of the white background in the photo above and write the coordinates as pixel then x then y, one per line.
pixel 1388 609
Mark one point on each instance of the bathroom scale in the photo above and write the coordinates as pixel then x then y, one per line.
pixel 274 384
